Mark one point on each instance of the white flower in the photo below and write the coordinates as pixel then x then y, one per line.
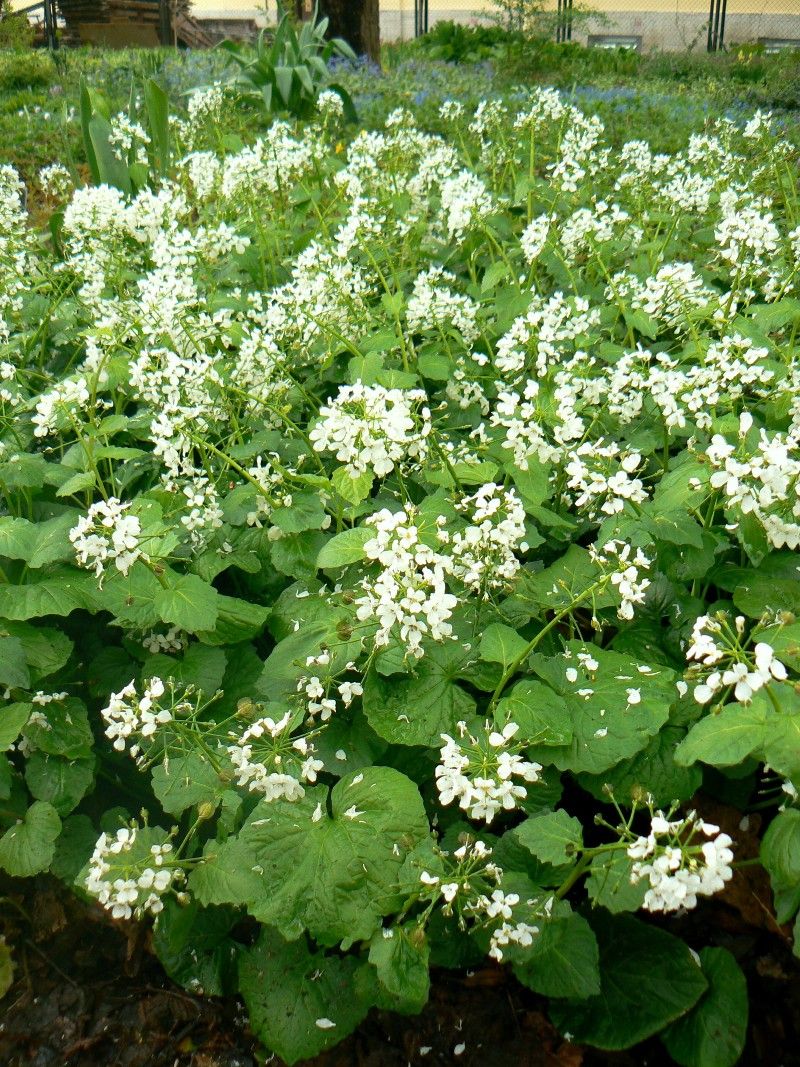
pixel 369 428
pixel 107 534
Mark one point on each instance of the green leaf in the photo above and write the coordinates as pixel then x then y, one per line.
pixel 28 847
pixel 336 874
pixel 780 852
pixel 344 548
pixel 61 729
pixel 59 594
pixel 73 848
pixel 194 948
pixel 51 541
pixel 199 666
pixel 229 874
pixel 500 644
pixel 12 718
pixel 237 620
pixel 293 995
pixel 648 978
pixel 13 668
pixel 725 738
pixel 713 1033
pixel 183 782
pixel 400 956
pixel 16 537
pixel 653 771
pixel 559 585
pixel 112 171
pixel 46 649
pixel 62 782
pixel 305 513
pixel 553 837
pixel 563 960
pixel 615 708
pixel 332 629
pixel 543 716
pixel 353 490
pixel 494 275
pixel 157 104
pixel 418 707
pixel 609 883
pixel 189 603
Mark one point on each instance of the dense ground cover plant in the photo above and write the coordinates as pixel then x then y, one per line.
pixel 397 527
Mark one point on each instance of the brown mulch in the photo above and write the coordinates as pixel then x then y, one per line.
pixel 88 993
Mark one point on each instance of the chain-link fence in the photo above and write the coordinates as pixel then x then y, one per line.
pixel 669 25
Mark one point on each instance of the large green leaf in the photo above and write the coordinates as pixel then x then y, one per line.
pixel 14 671
pixel 780 854
pixel 615 709
pixel 544 717
pixel 609 883
pixel 653 771
pixel 28 847
pixel 563 960
pixel 12 718
pixel 713 1033
pixel 62 782
pixel 57 594
pixel 189 603
pixel 333 874
pixel 194 948
pixel 299 1002
pixel 553 837
pixel 648 978
pixel 183 782
pixel 417 707
pixel 725 738
pixel 400 957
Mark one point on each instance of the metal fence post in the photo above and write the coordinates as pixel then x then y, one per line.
pixel 50 24
pixel 420 17
pixel 716 25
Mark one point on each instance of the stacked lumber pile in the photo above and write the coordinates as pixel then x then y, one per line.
pixel 127 23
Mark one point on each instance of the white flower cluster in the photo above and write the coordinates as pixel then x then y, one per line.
pixel 534 237
pixel 370 428
pixel 68 397
pixel 678 868
pixel 626 578
pixel 588 227
pixel 330 104
pixel 317 690
pixel 480 772
pixel 483 556
pixel 410 591
pixel 670 296
pixel 465 203
pixel 544 334
pixel 716 644
pixel 433 305
pixel 130 878
pixel 128 715
pixel 267 759
pixel 602 477
pixel 474 892
pixel 55 180
pixel 108 534
pixel 762 479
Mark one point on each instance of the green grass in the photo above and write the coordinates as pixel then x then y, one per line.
pixel 670 94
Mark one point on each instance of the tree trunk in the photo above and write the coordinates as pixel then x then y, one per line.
pixel 357 21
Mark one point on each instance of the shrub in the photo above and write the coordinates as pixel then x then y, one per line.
pixel 399 549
